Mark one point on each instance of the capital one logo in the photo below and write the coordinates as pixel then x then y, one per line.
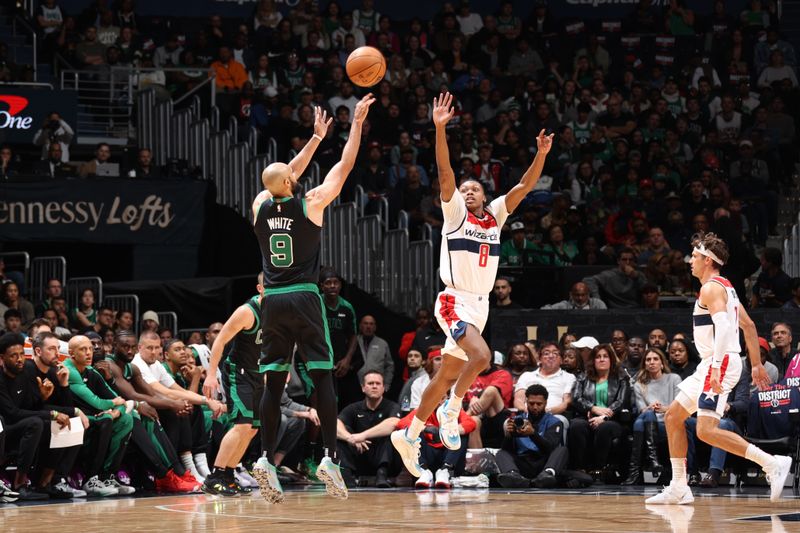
pixel 11 118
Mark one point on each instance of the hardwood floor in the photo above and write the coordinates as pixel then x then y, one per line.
pixel 612 510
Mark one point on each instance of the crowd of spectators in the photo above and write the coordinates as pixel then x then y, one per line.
pixel 667 123
pixel 561 413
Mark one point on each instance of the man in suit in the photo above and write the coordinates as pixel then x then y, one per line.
pixel 53 166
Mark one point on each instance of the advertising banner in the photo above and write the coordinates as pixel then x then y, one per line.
pixel 118 211
pixel 24 110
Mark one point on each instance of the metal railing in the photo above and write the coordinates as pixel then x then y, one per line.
pixel 29 30
pixel 169 320
pixel 791 251
pixel 125 302
pixel 107 95
pixel 76 286
pixel 44 269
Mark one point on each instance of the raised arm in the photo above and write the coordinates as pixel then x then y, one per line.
pixel 303 158
pixel 442 113
pixel 531 176
pixel 241 319
pixel 318 198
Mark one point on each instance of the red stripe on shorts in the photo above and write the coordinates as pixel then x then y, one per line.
pixel 448 308
pixel 722 369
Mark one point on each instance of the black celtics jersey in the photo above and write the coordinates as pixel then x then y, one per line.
pixel 289 241
pixel 244 350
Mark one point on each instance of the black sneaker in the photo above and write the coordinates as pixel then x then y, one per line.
pixel 30 495
pixel 217 487
pixel 513 480
pixel 381 479
pixel 234 485
pixel 55 493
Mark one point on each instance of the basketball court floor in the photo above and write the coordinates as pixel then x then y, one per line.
pixel 311 510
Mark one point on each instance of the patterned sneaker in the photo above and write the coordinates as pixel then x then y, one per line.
pixel 66 487
pixel 268 482
pixel 776 475
pixel 448 427
pixel 216 486
pixel 408 450
pixel 6 494
pixel 124 490
pixel 672 495
pixel 330 473
pixel 95 487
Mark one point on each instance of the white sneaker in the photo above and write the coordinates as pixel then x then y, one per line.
pixel 7 495
pixel 95 487
pixel 244 478
pixel 672 495
pixel 268 482
pixel 330 473
pixel 442 478
pixel 123 490
pixel 408 450
pixel 66 487
pixel 776 475
pixel 425 480
pixel 448 427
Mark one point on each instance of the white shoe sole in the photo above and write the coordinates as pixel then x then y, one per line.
pixel 776 485
pixel 400 444
pixel 685 500
pixel 334 489
pixel 443 433
pixel 268 492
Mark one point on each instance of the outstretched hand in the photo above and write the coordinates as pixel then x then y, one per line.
pixel 544 142
pixel 321 121
pixel 443 109
pixel 362 108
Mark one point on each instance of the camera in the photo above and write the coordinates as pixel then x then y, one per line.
pixel 519 421
pixel 53 125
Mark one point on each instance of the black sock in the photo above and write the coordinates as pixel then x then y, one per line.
pixel 229 474
pixel 270 413
pixel 326 407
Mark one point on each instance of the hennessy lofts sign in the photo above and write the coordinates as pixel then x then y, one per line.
pixel 103 211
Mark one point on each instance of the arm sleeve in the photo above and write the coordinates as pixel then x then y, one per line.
pixel 638 395
pixel 581 404
pixel 721 332
pixel 524 381
pixel 346 416
pixel 622 398
pixel 467 422
pixel 85 394
pixel 12 413
pixel 551 438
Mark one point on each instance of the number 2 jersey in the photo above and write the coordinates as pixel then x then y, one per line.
pixel 289 241
pixel 470 251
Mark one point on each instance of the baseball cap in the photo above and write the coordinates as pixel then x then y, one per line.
pixel 673 196
pixel 645 183
pixel 374 144
pixel 746 142
pixel 762 342
pixel 150 315
pixel 585 342
pixel 517 226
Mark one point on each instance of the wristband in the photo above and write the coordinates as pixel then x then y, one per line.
pixel 53 415
pixel 315 136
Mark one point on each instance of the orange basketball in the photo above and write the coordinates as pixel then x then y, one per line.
pixel 366 66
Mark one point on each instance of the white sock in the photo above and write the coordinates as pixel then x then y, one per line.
pixel 201 461
pixel 758 456
pixel 186 459
pixel 416 427
pixel 454 403
pixel 678 470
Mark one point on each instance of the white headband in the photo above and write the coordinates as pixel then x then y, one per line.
pixel 702 250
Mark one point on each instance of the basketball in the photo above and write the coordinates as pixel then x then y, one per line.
pixel 366 66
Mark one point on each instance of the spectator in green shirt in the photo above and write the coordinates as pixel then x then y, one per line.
pixel 512 251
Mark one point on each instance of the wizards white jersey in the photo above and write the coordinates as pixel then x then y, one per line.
pixel 704 325
pixel 470 251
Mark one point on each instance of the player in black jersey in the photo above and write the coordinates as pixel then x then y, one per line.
pixel 288 231
pixel 243 379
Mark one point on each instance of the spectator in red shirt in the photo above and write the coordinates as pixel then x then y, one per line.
pixel 434 456
pixel 486 402
pixel 423 320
